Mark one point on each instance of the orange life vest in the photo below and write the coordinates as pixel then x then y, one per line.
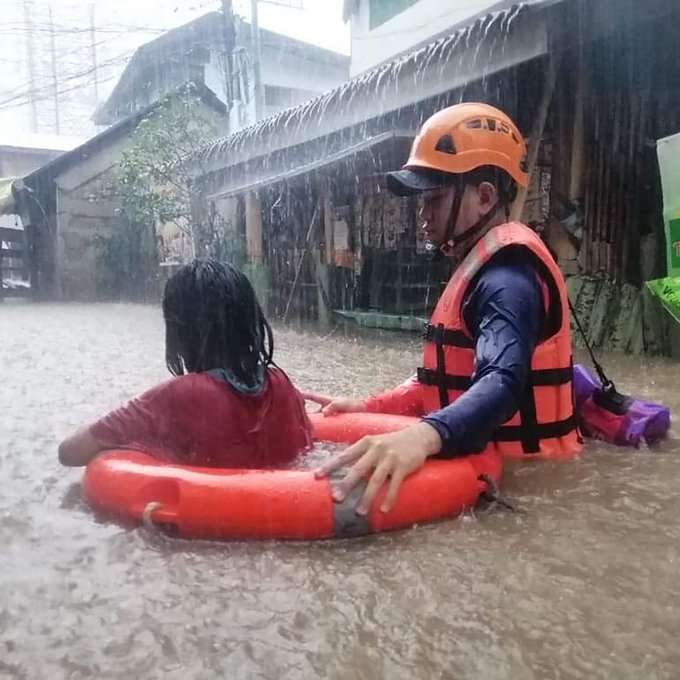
pixel 544 425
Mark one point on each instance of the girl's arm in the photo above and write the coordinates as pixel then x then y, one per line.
pixel 80 448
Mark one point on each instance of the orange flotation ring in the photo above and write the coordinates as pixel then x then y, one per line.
pixel 198 502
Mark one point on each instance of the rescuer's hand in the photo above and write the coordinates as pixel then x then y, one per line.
pixel 391 456
pixel 331 406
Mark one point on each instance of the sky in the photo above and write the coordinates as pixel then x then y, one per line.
pixel 319 22
pixel 120 27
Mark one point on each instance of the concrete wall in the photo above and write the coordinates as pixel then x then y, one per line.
pixel 297 71
pixel 80 222
pixel 213 76
pixel 416 24
pixel 301 76
pixel 86 209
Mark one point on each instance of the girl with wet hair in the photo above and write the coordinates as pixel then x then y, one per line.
pixel 213 322
pixel 228 404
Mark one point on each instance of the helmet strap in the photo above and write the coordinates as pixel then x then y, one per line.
pixel 476 229
pixel 448 245
pixel 471 234
pixel 452 243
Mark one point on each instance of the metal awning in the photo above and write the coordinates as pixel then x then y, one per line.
pixel 263 179
pixel 494 42
pixel 8 204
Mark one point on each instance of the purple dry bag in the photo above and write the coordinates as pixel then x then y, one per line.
pixel 603 413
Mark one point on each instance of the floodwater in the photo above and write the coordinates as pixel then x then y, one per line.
pixel 584 584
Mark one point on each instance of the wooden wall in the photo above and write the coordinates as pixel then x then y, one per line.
pixel 616 95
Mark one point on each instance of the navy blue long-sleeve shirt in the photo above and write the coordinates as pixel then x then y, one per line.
pixel 504 312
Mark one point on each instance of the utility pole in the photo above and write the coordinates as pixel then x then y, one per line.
pixel 229 45
pixel 93 51
pixel 257 61
pixel 55 82
pixel 257 51
pixel 28 26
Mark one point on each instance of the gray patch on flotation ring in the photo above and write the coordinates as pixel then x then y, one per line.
pixel 346 522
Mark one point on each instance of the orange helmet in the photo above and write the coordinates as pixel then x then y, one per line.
pixel 457 140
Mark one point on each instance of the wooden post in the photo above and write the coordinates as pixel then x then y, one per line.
pixel 322 288
pixel 577 142
pixel 578 134
pixel 328 227
pixel 400 280
pixel 375 291
pixel 536 135
pixel 322 269
pixel 310 231
pixel 254 229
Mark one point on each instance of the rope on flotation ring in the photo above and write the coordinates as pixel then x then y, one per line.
pixel 494 497
pixel 147 521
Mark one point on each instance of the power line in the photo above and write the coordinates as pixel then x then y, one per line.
pixel 12 29
pixel 53 50
pixel 31 66
pixel 14 100
pixel 62 92
pixel 93 49
pixel 45 92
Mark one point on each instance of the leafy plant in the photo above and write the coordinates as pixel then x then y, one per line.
pixel 156 188
pixel 155 178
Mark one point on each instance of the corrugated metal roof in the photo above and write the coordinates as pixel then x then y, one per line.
pixel 82 151
pixel 467 15
pixel 7 202
pixel 277 176
pixel 491 43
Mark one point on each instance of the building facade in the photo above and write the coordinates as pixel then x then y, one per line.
pixel 384 29
pixel 83 247
pixel 591 91
pixel 291 71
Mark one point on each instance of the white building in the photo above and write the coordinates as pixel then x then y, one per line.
pixel 292 71
pixel 383 29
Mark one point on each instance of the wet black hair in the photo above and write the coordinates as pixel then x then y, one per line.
pixel 214 321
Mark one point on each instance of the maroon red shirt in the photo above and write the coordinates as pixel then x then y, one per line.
pixel 198 419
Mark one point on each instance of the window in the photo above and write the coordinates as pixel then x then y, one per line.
pixel 380 11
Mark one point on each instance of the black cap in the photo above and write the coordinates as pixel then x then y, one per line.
pixel 416 180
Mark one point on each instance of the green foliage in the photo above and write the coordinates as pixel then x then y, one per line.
pixel 155 188
pixel 126 269
pixel 156 185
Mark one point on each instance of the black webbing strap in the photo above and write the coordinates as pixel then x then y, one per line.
pixel 529 420
pixel 550 377
pixel 441 372
pixel 432 378
pixel 540 378
pixel 529 432
pixel 553 430
pixel 446 336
